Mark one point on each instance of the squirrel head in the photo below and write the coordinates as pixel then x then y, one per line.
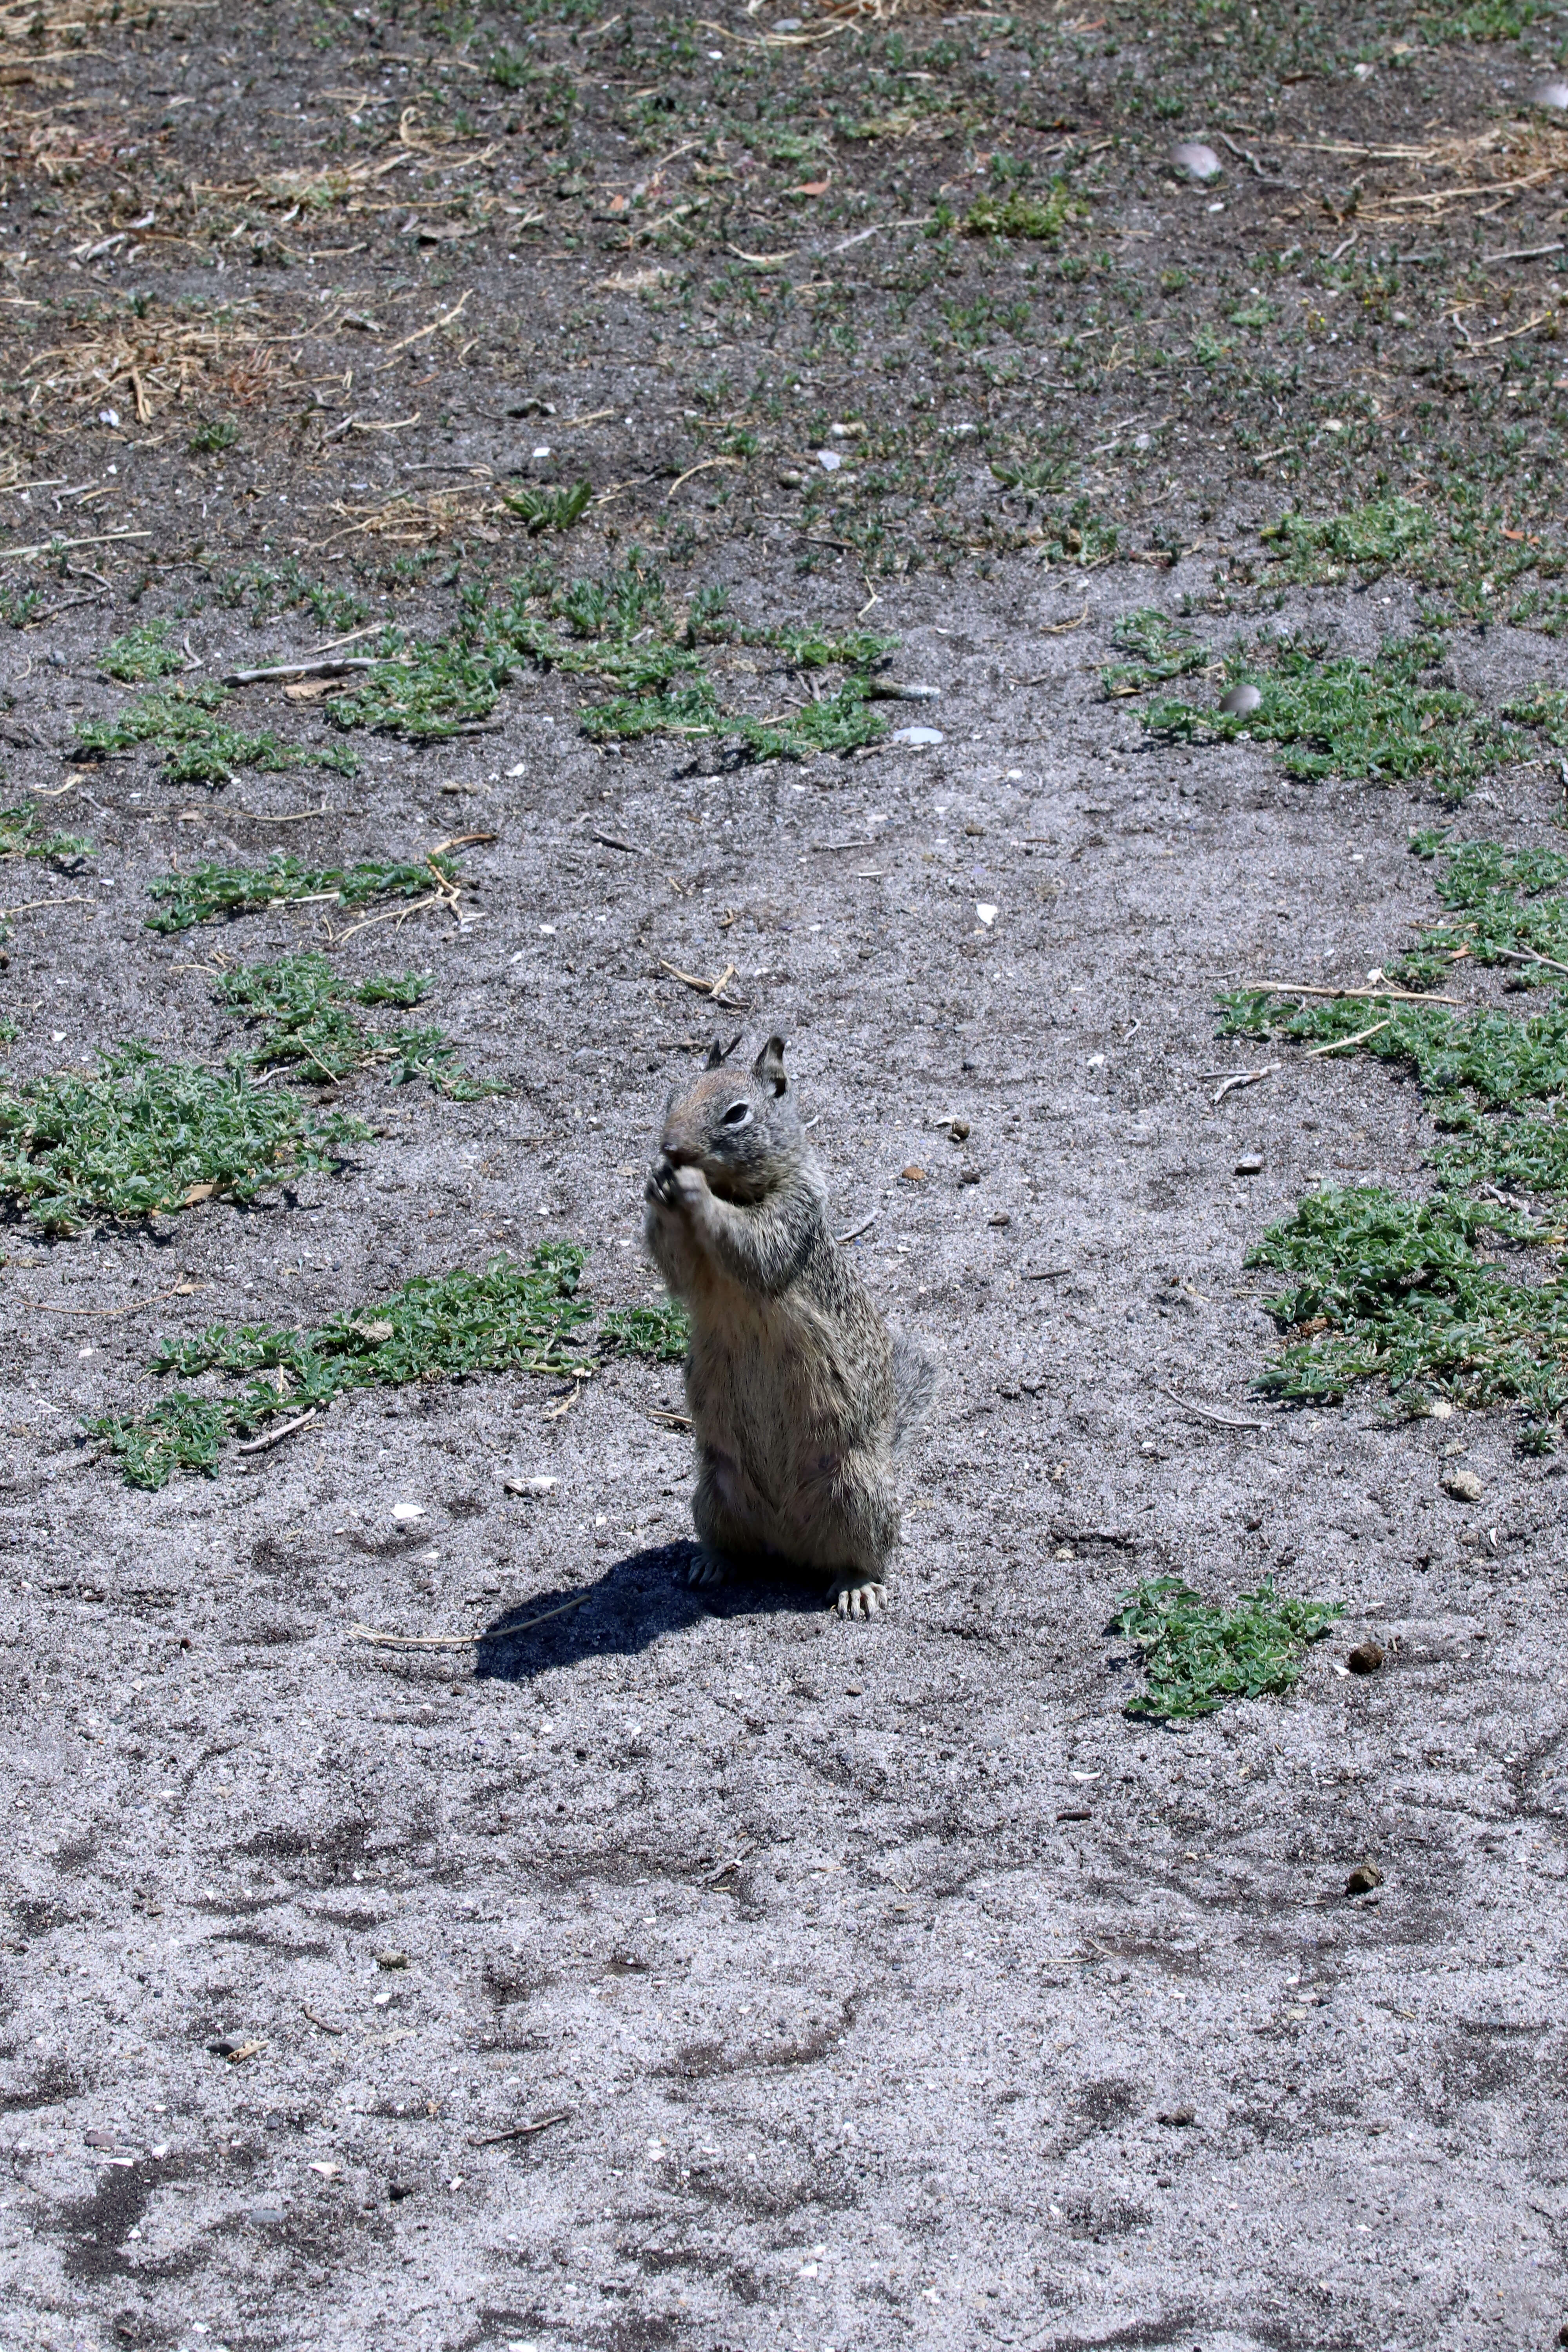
pixel 741 1130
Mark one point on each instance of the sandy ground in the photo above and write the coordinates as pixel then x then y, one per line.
pixel 704 1971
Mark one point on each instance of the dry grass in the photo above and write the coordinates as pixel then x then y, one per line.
pixel 1488 169
pixel 420 518
pixel 159 361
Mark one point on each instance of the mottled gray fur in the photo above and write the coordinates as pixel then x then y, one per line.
pixel 799 1395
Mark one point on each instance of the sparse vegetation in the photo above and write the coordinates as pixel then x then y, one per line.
pixel 145 1135
pixel 210 893
pixel 661 1333
pixel 141 655
pixel 304 1012
pixel 1198 1654
pixel 514 1316
pixel 199 746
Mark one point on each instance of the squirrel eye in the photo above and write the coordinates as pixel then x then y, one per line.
pixel 738 1114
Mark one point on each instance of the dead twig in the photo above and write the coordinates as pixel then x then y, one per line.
pixel 276 1436
pixel 461 1641
pixel 1337 1044
pixel 1206 1412
pixel 319 2022
pixel 1063 628
pixel 1230 1080
pixel 1372 995
pixel 522 2131
pixel 855 1232
pixel 712 989
pixel 614 841
pixel 332 666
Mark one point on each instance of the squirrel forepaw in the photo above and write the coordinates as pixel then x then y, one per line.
pixel 858 1598
pixel 672 1187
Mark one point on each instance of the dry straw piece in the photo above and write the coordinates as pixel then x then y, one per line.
pixel 160 360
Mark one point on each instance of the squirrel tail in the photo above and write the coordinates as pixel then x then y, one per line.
pixel 914 1385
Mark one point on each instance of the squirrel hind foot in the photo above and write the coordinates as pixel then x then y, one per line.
pixel 852 1596
pixel 708 1567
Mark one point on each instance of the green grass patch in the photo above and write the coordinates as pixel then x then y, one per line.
pixel 1162 649
pixel 141 655
pixel 514 1316
pixel 210 893
pixel 1198 1654
pixel 661 1333
pixel 550 509
pixel 1362 544
pixel 146 1136
pixel 309 1022
pixel 1399 1290
pixel 1506 1062
pixel 1040 219
pixel 1500 912
pixel 269 589
pixel 1364 721
pixel 20 606
pixel 22 835
pixel 620 632
pixel 198 745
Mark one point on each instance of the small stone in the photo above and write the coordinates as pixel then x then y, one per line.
pixel 1363 1878
pixel 917 739
pixel 392 1960
pixel 1552 94
pixel 398 2191
pixel 1194 160
pixel 1251 1164
pixel 1240 701
pixel 1365 1658
pixel 538 1489
pixel 267 2213
pixel 913 1175
pixel 894 690
pixel 789 478
pixel 969 1175
pixel 1177 2116
pixel 1463 1486
pixel 408 1510
pixel 829 460
pixel 109 416
pixel 1001 1218
pixel 986 913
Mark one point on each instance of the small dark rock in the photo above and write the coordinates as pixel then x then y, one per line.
pixel 398 2191
pixel 1251 1164
pixel 1177 2115
pixel 1365 1658
pixel 1363 1878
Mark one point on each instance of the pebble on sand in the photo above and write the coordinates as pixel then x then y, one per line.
pixel 1197 161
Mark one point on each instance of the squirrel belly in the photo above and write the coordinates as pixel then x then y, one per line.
pixel 787 1442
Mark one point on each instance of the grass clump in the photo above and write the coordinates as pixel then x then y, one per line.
pixel 1363 544
pixel 212 892
pixel 514 1316
pixel 146 1136
pixel 1198 1654
pixel 20 606
pixel 550 509
pixel 307 1020
pixel 141 655
pixel 21 835
pixel 1506 1062
pixel 1038 219
pixel 198 745
pixel 1162 649
pixel 1500 908
pixel 1385 1288
pixel 269 589
pixel 661 1333
pixel 1371 721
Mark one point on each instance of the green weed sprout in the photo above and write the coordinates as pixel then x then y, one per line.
pixel 661 1333
pixel 303 1009
pixel 21 835
pixel 146 1136
pixel 141 655
pixel 1198 1654
pixel 550 509
pixel 211 892
pixel 514 1316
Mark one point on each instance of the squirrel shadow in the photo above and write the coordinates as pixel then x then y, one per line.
pixel 637 1600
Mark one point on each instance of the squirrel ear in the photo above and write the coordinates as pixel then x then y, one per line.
pixel 715 1055
pixel 768 1067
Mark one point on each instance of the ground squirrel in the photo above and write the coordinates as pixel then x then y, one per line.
pixel 799 1394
